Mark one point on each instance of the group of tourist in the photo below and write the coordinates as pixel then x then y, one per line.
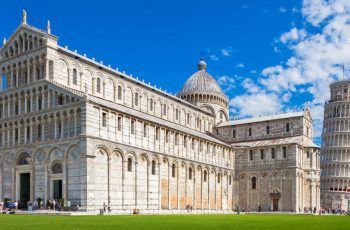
pixel 105 208
pixel 189 208
pixel 9 206
pixel 54 205
pixel 335 211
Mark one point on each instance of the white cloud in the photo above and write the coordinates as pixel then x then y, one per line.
pixel 316 51
pixel 256 104
pixel 213 57
pixel 283 10
pixel 318 11
pixel 286 96
pixel 295 10
pixel 293 35
pixel 227 83
pixel 226 52
pixel 240 65
pixel 250 86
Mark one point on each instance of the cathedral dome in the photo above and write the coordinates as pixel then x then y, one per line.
pixel 201 82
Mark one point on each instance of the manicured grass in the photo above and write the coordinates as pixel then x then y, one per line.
pixel 183 222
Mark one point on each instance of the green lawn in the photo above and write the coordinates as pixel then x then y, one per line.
pixel 183 222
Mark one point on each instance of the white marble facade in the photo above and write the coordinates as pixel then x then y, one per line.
pixel 73 128
pixel 277 164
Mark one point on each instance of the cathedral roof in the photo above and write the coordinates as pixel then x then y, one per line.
pixel 201 82
pixel 263 118
pixel 300 140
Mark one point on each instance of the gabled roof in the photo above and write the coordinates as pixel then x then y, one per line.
pixel 27 28
pixel 264 118
pixel 300 140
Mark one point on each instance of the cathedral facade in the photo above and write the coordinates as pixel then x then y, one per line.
pixel 277 165
pixel 73 128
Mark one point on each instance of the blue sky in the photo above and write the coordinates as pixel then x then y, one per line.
pixel 259 51
pixel 163 40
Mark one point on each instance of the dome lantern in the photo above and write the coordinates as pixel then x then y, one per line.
pixel 202 65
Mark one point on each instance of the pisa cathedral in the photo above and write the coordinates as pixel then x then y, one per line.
pixel 73 128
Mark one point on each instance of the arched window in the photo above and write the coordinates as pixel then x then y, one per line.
pixel 39 131
pixel 56 168
pixel 120 93
pixel 219 178
pixel 153 167
pixel 75 76
pixel 98 88
pixel 254 182
pixel 28 106
pixel 177 114
pixel 287 127
pixel 136 99
pixel 167 136
pixel 250 131
pixel 173 170
pixel 262 155
pixel 190 173
pixel 132 127
pixel 145 129
pixel 205 176
pixel 16 107
pixel 40 102
pixel 129 164
pixel 151 104
pixel 59 99
pixel 164 109
pixel 23 159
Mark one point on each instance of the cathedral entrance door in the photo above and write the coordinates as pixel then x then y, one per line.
pixel 24 189
pixel 275 204
pixel 57 189
pixel 275 197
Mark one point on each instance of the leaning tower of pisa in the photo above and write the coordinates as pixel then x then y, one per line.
pixel 335 151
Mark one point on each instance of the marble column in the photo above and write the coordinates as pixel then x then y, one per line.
pixel 47 73
pixel 28 72
pixel 17 75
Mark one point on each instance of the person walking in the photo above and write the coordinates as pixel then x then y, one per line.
pixel 104 207
pixel 16 204
pixel 54 204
